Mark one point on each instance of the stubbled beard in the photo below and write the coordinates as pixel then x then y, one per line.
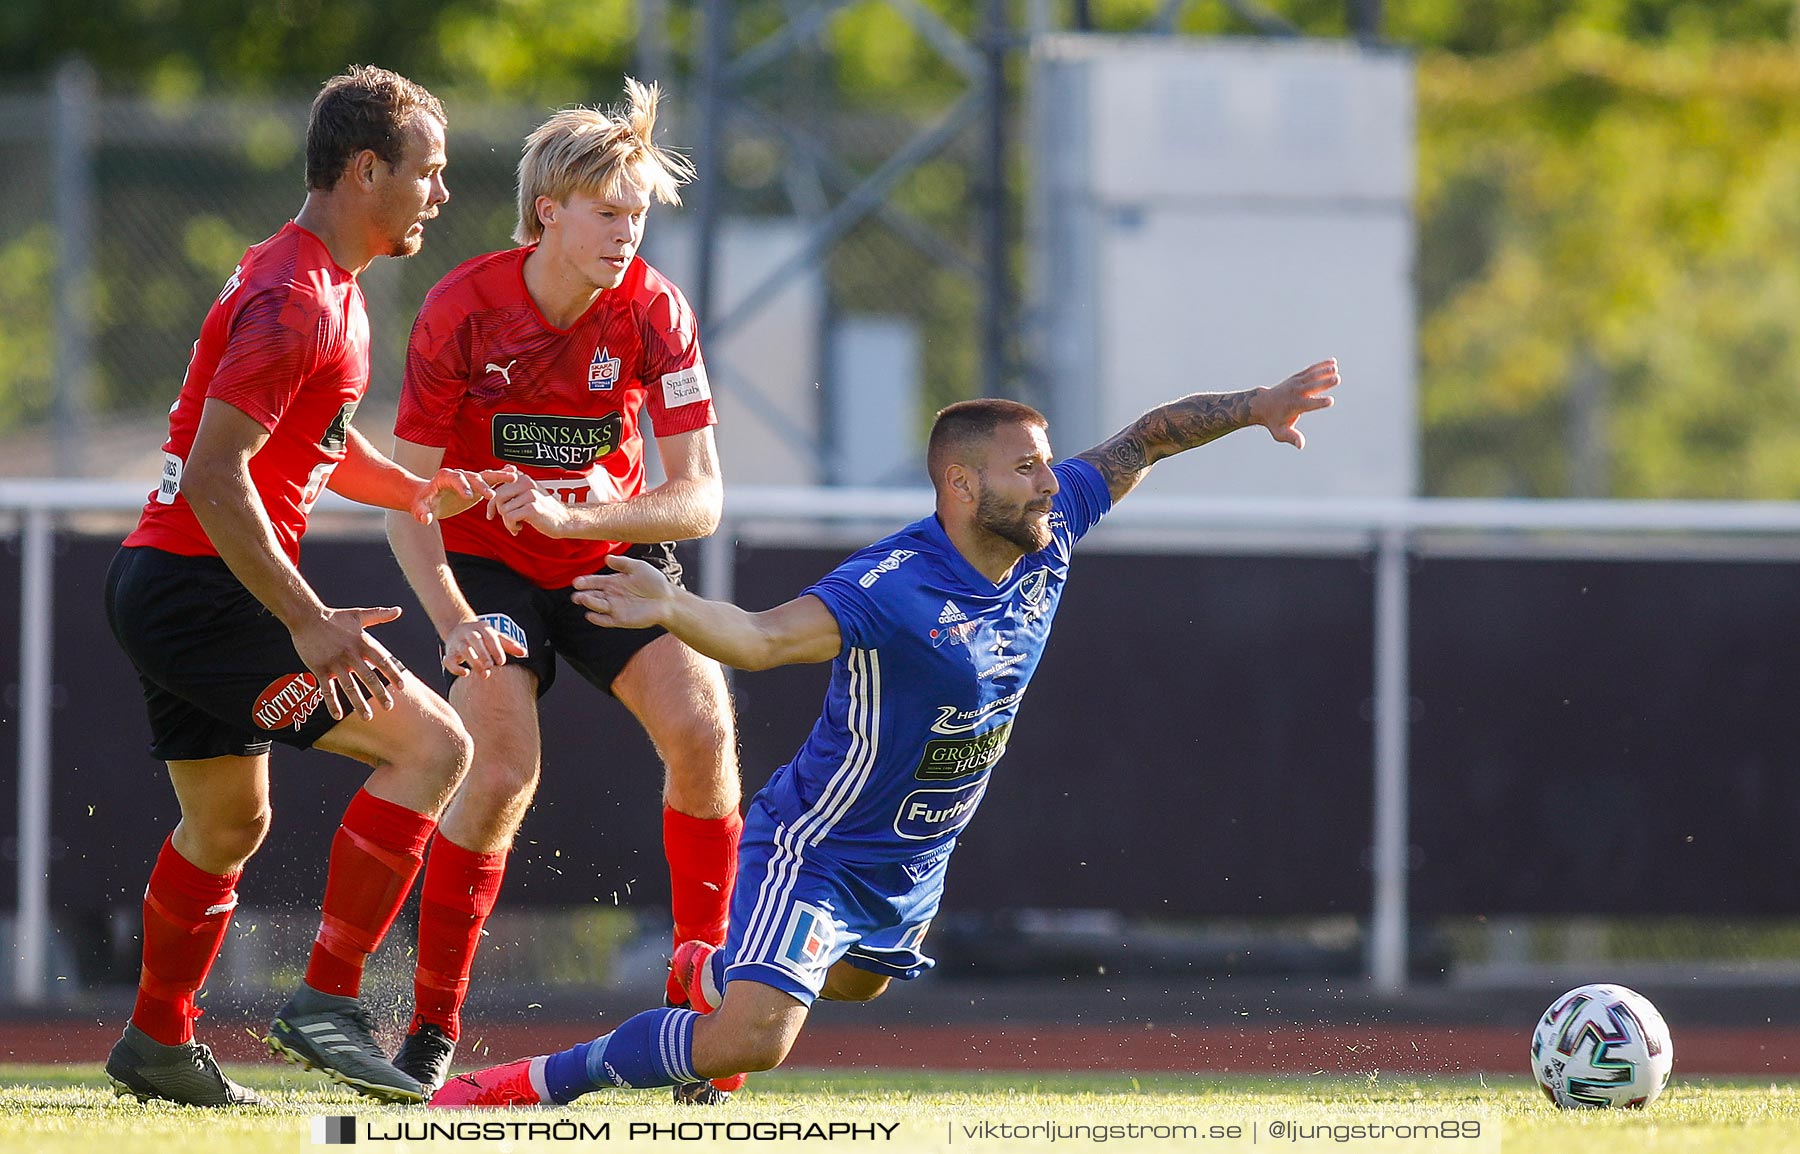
pixel 1017 525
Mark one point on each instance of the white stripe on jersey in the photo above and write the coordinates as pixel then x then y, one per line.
pixel 864 722
pixel 785 865
pixel 827 812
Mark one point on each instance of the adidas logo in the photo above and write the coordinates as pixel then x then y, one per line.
pixel 333 1041
pixel 951 614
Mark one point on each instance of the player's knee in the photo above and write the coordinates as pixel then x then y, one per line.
pixel 759 1050
pixel 441 756
pixel 703 746
pixel 455 753
pixel 702 778
pixel 500 781
pixel 229 838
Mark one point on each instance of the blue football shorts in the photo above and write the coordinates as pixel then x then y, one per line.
pixel 798 908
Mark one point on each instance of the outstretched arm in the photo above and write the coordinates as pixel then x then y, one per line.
pixel 637 595
pixel 1127 455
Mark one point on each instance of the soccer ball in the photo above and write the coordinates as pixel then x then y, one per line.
pixel 1602 1046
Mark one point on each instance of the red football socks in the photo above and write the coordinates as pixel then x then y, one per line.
pixel 186 914
pixel 460 889
pixel 374 858
pixel 702 855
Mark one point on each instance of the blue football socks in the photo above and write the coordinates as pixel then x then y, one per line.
pixel 654 1048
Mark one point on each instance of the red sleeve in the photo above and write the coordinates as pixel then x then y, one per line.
pixel 273 343
pixel 437 376
pixel 674 372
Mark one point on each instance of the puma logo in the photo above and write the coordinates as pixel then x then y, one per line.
pixel 506 373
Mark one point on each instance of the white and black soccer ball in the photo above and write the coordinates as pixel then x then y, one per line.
pixel 1602 1046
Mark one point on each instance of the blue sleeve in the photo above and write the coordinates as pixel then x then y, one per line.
pixel 1083 498
pixel 863 622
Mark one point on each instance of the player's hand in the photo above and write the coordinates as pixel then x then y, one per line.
pixel 1280 406
pixel 635 595
pixel 520 502
pixel 350 663
pixel 451 491
pixel 477 647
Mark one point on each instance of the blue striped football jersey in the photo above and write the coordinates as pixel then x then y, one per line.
pixel 935 662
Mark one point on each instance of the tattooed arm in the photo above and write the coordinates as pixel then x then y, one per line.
pixel 1127 455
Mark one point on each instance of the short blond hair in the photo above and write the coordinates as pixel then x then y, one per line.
pixel 594 151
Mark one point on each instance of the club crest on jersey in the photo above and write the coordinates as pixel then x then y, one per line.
pixel 603 371
pixel 808 939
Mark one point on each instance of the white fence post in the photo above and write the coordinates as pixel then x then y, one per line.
pixel 33 934
pixel 1393 525
pixel 1387 943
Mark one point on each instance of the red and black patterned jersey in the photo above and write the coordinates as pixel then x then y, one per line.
pixel 287 342
pixel 495 384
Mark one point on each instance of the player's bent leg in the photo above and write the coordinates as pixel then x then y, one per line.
pixel 698 970
pixel 467 861
pixel 681 700
pixel 845 983
pixel 224 810
pixel 420 752
pixel 186 913
pixel 500 712
pixel 753 1029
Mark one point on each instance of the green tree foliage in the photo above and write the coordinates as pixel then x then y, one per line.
pixel 1609 189
pixel 551 51
pixel 1609 200
pixel 26 269
pixel 1629 211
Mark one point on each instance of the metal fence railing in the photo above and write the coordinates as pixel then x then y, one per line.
pixel 1389 530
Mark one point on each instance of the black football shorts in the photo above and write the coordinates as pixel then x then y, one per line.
pixel 219 671
pixel 547 622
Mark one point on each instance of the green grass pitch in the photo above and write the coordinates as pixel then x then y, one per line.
pixel 70 1110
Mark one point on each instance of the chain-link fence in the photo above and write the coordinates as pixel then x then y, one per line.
pixel 120 217
pixel 174 194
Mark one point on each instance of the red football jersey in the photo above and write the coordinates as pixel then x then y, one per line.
pixel 287 342
pixel 495 384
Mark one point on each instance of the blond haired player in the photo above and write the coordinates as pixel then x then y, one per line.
pixel 546 358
